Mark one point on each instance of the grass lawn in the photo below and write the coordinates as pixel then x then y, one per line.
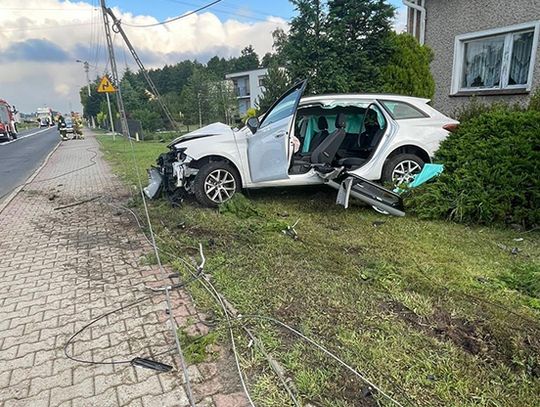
pixel 434 313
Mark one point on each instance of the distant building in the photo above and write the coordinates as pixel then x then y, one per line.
pixel 248 87
pixel 485 48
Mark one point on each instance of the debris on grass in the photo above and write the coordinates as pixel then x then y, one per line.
pixel 291 231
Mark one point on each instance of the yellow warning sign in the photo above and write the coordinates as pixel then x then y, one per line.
pixel 105 86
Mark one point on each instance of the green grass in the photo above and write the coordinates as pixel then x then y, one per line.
pixel 425 309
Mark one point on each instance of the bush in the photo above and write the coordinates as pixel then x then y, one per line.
pixel 534 104
pixel 491 173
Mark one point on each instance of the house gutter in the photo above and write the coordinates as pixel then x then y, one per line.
pixel 422 11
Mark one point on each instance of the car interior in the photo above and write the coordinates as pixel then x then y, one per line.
pixel 341 136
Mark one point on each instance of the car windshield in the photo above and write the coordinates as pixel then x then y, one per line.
pixel 69 122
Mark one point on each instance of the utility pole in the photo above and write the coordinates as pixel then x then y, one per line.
pixel 87 69
pixel 117 27
pixel 86 66
pixel 114 70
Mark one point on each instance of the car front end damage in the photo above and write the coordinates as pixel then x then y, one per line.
pixel 172 176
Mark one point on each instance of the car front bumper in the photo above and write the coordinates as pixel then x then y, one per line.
pixel 155 183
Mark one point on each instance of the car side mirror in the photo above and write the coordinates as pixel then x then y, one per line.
pixel 253 124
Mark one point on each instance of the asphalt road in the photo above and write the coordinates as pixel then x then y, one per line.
pixel 20 158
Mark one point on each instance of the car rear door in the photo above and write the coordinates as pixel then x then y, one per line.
pixel 268 147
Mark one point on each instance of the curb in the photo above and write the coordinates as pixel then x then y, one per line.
pixel 7 201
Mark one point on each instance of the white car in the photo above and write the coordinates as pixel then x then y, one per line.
pixel 326 139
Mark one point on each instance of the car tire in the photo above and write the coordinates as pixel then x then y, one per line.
pixel 403 166
pixel 215 183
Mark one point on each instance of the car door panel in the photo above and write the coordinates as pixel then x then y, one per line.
pixel 268 148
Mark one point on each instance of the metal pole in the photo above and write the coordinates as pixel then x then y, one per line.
pixel 200 113
pixel 110 115
pixel 114 70
pixel 87 69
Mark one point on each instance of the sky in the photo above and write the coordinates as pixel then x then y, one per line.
pixel 40 40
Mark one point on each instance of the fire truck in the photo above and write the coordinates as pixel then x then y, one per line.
pixel 45 116
pixel 8 128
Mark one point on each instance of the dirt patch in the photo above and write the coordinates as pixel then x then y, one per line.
pixel 474 337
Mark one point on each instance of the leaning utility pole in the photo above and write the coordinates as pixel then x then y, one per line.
pixel 117 27
pixel 114 71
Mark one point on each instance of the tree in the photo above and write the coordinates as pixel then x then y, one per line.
pixel 218 66
pixel 305 50
pixel 359 33
pixel 247 60
pixel 275 83
pixel 407 72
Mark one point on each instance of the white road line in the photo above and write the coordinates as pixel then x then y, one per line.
pixel 25 136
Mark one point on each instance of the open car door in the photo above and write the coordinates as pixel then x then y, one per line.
pixel 268 146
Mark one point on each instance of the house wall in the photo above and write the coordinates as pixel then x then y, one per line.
pixel 248 80
pixel 448 18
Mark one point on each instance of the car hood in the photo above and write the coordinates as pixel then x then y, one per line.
pixel 214 129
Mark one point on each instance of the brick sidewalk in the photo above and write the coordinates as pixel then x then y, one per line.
pixel 62 268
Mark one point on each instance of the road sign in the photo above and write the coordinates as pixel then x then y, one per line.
pixel 105 86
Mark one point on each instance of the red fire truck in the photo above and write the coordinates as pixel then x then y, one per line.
pixel 7 121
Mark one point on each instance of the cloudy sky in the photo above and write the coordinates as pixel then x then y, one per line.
pixel 40 40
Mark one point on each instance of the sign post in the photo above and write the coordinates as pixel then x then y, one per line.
pixel 105 86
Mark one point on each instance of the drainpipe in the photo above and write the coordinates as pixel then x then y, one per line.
pixel 422 11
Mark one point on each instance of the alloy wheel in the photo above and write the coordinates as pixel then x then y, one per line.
pixel 219 186
pixel 405 171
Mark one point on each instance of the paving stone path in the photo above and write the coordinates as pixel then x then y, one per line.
pixel 61 268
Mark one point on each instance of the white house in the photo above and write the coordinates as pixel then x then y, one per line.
pixel 248 87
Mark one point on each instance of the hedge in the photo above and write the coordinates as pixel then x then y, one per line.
pixel 492 172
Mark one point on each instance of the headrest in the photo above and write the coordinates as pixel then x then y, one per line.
pixel 341 121
pixel 322 123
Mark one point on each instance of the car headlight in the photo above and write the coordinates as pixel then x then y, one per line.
pixel 180 154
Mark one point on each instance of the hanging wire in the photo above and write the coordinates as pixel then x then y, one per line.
pixel 173 19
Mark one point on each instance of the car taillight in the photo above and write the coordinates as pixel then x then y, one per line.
pixel 451 127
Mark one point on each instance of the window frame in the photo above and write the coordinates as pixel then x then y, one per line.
pixel 508 34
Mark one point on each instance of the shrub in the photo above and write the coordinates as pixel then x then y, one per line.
pixel 534 103
pixel 492 172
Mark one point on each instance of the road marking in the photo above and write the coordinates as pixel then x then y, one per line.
pixel 25 136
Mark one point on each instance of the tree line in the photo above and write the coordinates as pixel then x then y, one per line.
pixel 340 46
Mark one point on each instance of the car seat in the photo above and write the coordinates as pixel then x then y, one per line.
pixel 326 151
pixel 322 123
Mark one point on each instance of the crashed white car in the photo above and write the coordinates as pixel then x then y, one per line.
pixel 344 141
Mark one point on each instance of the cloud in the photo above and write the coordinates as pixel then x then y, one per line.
pixel 41 39
pixel 34 50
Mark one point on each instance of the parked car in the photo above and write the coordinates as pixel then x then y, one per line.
pixel 367 137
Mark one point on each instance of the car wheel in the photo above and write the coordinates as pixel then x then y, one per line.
pixel 216 183
pixel 402 168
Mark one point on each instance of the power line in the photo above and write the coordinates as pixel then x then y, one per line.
pixel 175 18
pixel 42 9
pixel 234 13
pixel 231 13
pixel 45 27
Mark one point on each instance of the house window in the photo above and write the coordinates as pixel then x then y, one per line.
pixel 500 59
